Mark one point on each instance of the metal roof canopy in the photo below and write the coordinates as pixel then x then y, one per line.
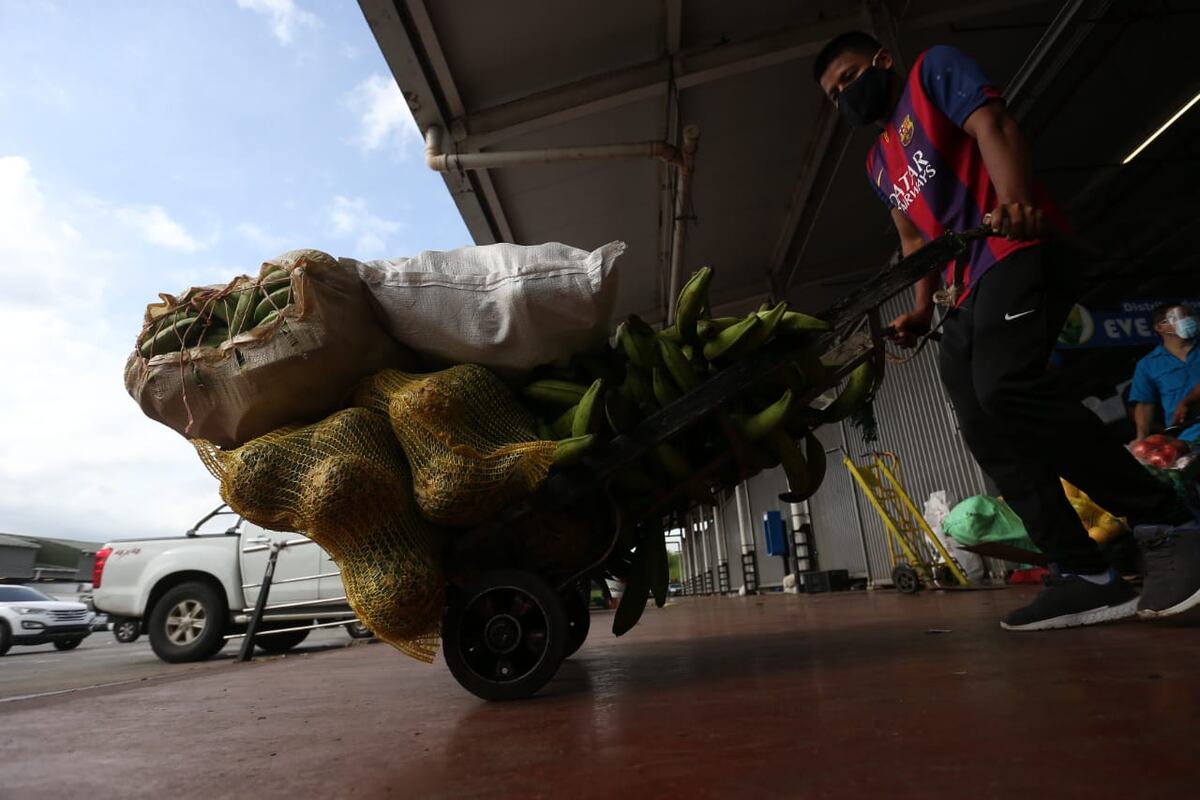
pixel 778 203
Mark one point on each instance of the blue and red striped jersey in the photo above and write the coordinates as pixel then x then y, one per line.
pixel 927 166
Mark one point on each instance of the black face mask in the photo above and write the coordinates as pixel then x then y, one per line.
pixel 866 98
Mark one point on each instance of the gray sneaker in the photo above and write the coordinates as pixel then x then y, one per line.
pixel 1069 601
pixel 1171 566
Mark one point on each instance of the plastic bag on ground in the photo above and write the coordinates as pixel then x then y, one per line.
pixel 935 512
pixel 982 519
pixel 503 306
pixel 296 369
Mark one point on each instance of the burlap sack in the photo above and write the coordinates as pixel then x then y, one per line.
pixel 297 369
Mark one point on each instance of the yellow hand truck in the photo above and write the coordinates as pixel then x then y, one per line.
pixel 918 556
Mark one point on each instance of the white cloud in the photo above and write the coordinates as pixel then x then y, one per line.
pixel 284 17
pixel 384 118
pixel 350 219
pixel 79 458
pixel 261 238
pixel 155 226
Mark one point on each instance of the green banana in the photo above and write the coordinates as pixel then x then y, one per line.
pixel 805 471
pixel 858 391
pixel 767 421
pixel 693 297
pixel 267 320
pixel 218 309
pixel 708 328
pixel 215 336
pixel 569 450
pixel 628 342
pixel 640 326
pixel 637 592
pixel 178 335
pixel 771 320
pixel 554 392
pixel 241 311
pixel 665 392
pixel 677 365
pixel 795 322
pixel 273 302
pixel 795 467
pixel 620 411
pixel 673 461
pixel 590 411
pixel 639 348
pixel 731 342
pixel 635 387
pixel 671 334
pixel 564 424
pixel 660 567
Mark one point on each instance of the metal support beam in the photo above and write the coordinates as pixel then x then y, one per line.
pixel 602 93
pixel 431 104
pixel 1071 26
pixel 822 162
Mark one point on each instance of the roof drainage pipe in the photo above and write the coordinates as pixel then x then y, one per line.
pixel 682 157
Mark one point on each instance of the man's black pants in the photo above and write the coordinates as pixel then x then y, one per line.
pixel 1020 426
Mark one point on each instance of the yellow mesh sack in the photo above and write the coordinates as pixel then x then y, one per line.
pixel 345 483
pixel 472 447
pixel 1101 525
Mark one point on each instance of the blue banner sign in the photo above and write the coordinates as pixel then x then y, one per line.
pixel 1126 326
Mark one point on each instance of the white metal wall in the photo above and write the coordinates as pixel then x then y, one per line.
pixel 917 423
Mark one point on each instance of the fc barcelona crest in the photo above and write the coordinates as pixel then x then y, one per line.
pixel 906 130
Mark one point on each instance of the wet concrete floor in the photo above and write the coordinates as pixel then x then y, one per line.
pixel 841 695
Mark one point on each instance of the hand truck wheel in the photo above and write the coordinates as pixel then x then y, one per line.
pixel 505 635
pixel 905 579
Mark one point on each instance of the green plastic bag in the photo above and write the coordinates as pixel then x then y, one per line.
pixel 984 519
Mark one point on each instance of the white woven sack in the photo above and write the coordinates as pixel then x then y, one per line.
pixel 507 307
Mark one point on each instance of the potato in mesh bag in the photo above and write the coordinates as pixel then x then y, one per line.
pixel 472 447
pixel 345 483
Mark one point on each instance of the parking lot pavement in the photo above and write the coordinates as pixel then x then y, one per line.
pixel 101 660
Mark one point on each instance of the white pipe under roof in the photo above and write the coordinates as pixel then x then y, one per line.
pixel 682 157
pixel 440 161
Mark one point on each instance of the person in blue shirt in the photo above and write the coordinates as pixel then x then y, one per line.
pixel 1169 373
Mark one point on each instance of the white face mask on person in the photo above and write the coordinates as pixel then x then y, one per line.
pixel 1183 322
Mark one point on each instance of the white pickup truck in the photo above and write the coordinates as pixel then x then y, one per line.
pixel 189 592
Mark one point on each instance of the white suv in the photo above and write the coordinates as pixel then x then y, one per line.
pixel 29 617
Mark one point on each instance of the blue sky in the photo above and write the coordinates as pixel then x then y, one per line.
pixel 147 147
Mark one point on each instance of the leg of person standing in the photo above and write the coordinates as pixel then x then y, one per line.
pixel 1025 433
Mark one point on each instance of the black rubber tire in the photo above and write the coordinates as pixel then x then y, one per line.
pixel 277 643
pixel 504 636
pixel 579 620
pixel 211 634
pixel 905 579
pixel 127 630
pixel 67 644
pixel 358 630
pixel 5 637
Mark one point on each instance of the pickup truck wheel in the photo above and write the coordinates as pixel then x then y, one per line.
pixel 67 644
pixel 280 642
pixel 127 630
pixel 358 630
pixel 188 623
pixel 5 637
